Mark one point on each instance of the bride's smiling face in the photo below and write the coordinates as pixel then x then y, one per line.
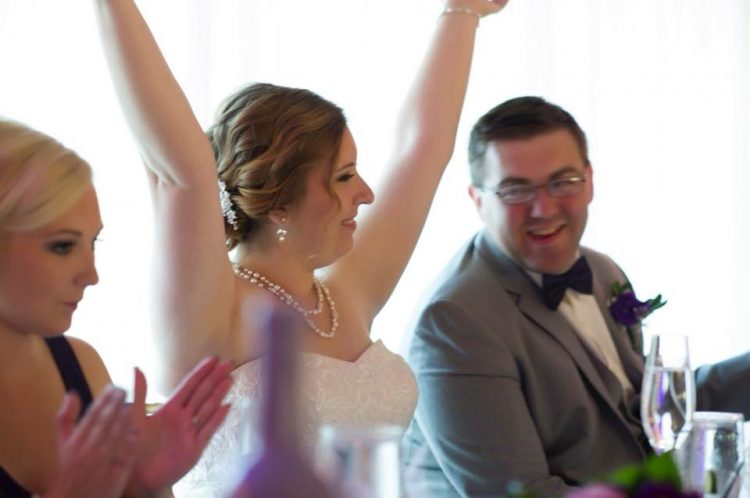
pixel 324 221
pixel 44 272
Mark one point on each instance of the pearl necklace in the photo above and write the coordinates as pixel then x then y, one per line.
pixel 320 289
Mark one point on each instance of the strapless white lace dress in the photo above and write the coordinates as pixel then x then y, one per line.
pixel 377 388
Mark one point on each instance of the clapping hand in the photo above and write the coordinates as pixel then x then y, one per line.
pixel 174 437
pixel 97 454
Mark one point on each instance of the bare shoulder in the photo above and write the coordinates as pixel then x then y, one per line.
pixel 350 299
pixel 91 363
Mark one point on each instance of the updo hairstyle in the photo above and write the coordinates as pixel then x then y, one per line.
pixel 266 140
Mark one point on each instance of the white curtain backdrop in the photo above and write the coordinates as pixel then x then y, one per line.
pixel 660 86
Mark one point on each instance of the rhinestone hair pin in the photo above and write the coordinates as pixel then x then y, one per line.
pixel 227 209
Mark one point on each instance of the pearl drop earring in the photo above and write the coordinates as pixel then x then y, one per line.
pixel 282 231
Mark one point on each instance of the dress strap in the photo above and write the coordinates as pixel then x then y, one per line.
pixel 73 378
pixel 9 488
pixel 70 370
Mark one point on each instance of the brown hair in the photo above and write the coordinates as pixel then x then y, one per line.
pixel 266 140
pixel 39 178
pixel 519 118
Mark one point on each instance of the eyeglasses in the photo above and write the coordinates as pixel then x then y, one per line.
pixel 519 193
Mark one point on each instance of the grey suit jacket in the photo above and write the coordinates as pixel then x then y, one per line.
pixel 508 391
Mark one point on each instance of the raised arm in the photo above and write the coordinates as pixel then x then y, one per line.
pixel 426 133
pixel 191 321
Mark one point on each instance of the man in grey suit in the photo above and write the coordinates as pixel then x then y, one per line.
pixel 524 373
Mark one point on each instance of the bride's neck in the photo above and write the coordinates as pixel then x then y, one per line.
pixel 286 270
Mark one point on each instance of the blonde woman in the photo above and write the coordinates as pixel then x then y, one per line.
pixel 87 443
pixel 289 193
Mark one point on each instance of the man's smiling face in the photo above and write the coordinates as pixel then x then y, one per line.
pixel 543 234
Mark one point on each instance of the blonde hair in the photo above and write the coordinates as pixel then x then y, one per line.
pixel 266 140
pixel 39 178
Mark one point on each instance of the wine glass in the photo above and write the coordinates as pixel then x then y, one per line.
pixel 362 462
pixel 668 392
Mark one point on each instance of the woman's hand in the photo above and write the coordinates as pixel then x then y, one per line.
pixel 174 437
pixel 96 455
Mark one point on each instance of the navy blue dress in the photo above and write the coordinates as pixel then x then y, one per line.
pixel 73 378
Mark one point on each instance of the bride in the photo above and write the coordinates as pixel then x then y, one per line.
pixel 287 202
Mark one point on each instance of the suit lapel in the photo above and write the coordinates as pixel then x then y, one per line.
pixel 632 361
pixel 519 283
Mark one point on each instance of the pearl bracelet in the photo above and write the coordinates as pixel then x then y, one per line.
pixel 461 10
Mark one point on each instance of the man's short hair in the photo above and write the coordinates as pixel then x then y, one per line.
pixel 518 119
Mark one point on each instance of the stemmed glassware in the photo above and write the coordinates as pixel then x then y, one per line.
pixel 361 462
pixel 668 392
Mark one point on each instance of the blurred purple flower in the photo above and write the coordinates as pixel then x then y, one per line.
pixel 597 491
pixel 627 309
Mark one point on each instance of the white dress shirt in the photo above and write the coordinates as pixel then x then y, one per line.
pixel 583 314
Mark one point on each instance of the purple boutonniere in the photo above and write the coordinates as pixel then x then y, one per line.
pixel 627 309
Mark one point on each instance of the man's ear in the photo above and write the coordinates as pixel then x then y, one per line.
pixel 476 196
pixel 590 180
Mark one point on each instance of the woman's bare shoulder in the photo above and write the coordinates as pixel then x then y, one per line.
pixel 91 363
